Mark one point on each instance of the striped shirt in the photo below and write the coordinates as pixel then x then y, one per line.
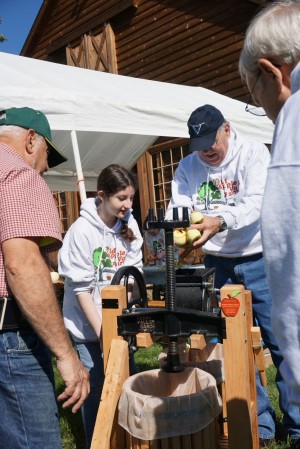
pixel 27 207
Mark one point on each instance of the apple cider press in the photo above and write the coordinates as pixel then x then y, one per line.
pixel 190 306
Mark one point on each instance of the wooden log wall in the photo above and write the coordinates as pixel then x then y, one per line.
pixel 185 41
pixel 192 42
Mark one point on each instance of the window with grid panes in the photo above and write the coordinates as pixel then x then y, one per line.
pixel 165 160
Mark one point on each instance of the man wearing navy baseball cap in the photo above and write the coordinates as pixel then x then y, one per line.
pixel 203 125
pixel 224 178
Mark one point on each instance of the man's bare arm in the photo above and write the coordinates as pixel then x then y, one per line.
pixel 30 282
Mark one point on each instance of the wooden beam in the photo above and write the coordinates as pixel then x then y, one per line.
pixel 72 207
pixel 145 193
pixel 257 346
pixel 252 376
pixel 156 303
pixel 237 380
pixel 117 372
pixel 144 182
pixel 197 341
pixel 144 340
pixel 98 48
pixel 113 302
pixel 111 49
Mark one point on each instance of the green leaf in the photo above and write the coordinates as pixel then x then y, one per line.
pixel 96 256
pixel 235 293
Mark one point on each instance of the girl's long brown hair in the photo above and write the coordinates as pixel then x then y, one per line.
pixel 111 180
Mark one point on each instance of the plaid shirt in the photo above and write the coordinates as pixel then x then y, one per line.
pixel 27 207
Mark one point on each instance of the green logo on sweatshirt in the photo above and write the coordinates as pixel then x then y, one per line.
pixel 101 258
pixel 207 193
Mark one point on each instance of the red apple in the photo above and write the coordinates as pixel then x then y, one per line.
pixel 230 306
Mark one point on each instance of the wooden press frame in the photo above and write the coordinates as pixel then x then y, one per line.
pixel 242 352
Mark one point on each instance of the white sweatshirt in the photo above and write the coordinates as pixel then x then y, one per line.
pixel 233 190
pixel 90 256
pixel 281 236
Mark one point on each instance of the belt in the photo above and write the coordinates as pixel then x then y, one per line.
pixel 11 317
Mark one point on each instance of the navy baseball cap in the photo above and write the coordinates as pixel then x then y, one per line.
pixel 31 119
pixel 203 125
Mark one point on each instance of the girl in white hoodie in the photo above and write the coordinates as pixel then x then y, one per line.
pixel 104 238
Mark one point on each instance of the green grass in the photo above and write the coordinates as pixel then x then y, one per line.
pixel 71 424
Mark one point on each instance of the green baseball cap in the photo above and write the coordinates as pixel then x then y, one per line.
pixel 31 119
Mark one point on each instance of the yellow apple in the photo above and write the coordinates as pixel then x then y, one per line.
pixel 192 235
pixel 54 277
pixel 179 237
pixel 196 217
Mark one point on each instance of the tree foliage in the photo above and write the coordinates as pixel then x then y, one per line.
pixel 2 37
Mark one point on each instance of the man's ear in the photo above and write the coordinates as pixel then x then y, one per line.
pixel 271 73
pixel 30 140
pixel 227 129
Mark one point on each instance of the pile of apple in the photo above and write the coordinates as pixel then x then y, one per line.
pixel 184 236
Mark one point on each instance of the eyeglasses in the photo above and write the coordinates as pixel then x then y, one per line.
pixel 254 109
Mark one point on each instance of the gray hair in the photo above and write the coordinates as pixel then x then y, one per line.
pixel 222 127
pixel 7 129
pixel 273 33
pixel 18 130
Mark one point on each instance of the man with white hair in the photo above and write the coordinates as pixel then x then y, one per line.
pixel 269 64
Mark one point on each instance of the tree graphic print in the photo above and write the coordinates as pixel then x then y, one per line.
pixel 208 192
pixel 102 260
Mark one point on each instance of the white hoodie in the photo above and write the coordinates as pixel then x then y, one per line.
pixel 90 256
pixel 233 190
pixel 281 236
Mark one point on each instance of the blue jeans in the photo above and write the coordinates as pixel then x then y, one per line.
pixel 29 416
pixel 249 271
pixel 91 357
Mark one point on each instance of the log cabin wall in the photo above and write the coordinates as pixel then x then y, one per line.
pixel 191 42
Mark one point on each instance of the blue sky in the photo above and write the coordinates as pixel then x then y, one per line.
pixel 17 19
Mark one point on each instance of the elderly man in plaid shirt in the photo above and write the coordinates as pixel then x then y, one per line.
pixel 30 319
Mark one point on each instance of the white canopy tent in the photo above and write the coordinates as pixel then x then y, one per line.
pixel 109 118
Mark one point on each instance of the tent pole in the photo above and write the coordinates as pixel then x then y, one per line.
pixel 80 178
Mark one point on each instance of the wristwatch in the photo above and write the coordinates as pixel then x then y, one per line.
pixel 223 224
